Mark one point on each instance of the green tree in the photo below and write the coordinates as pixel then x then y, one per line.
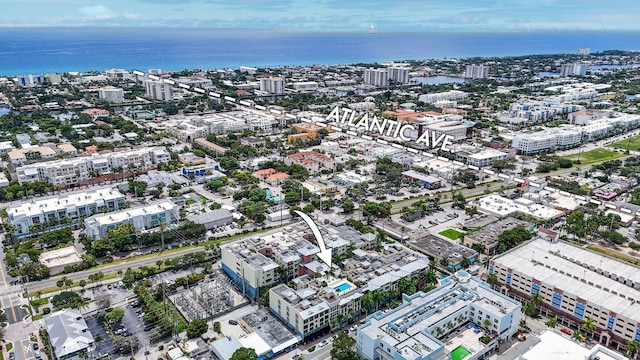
pixel 552 322
pixel 588 324
pixel 492 279
pixel 244 354
pixel 348 206
pixel 217 327
pixel 632 348
pixel 196 328
pixel 114 315
pixel 344 348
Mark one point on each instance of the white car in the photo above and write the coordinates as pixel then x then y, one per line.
pixel 323 343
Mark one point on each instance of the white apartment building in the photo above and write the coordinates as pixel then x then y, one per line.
pixel 376 77
pixel 574 283
pixel 421 327
pixel 112 94
pixel 546 140
pixel 117 74
pixel 158 90
pixel 272 85
pixel 398 74
pixel 184 131
pixel 452 95
pixel 29 80
pixel 73 170
pixel 142 218
pixel 73 206
pixel 476 71
pixel 250 269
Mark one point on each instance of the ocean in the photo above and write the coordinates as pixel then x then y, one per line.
pixel 47 50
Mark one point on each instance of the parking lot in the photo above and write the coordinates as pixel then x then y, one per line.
pixel 105 347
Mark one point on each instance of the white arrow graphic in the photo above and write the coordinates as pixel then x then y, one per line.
pixel 325 254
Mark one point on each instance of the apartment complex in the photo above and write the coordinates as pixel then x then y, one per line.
pixel 73 170
pixel 311 160
pixel 546 140
pixel 575 69
pixel 142 218
pixel 112 94
pixel 439 323
pixel 272 85
pixel 398 74
pixel 158 90
pixel 575 283
pixel 376 77
pixel 318 295
pixel 452 95
pixel 72 206
pixel 476 71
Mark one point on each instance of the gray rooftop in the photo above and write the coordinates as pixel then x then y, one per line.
pixel 68 332
pixel 580 272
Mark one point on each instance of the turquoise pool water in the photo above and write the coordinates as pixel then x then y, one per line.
pixel 342 287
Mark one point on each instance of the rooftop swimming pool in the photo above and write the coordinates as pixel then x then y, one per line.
pixel 342 287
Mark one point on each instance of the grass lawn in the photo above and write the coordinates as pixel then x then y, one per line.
pixel 594 156
pixel 614 254
pixel 451 234
pixel 633 142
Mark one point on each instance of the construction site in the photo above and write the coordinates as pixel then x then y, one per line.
pixel 209 298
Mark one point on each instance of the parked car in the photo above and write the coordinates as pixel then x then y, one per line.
pixel 232 322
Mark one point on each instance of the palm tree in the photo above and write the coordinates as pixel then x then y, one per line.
pixel 99 339
pixel 632 349
pixel 552 322
pixel 377 297
pixel 536 299
pixel 492 279
pixel 588 325
pixel 367 302
pixel 486 323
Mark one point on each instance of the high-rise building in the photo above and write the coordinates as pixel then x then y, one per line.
pixel 29 80
pixel 376 77
pixel 273 85
pixel 575 69
pixel 158 90
pixel 476 71
pixel 584 52
pixel 112 94
pixel 398 74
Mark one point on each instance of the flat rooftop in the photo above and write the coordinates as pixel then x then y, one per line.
pixel 68 201
pixel 579 272
pixel 407 327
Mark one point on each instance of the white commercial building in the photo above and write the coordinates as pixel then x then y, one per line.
pixel 305 86
pixel 142 218
pixel 69 334
pixel 575 283
pixel 546 140
pixel 57 260
pixel 73 170
pixel 74 205
pixel 502 207
pixel 436 324
pixel 112 94
pixel 117 74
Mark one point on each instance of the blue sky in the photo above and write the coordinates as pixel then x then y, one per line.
pixel 388 15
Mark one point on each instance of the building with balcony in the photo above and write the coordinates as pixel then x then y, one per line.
pixel 58 208
pixel 142 218
pixel 442 323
